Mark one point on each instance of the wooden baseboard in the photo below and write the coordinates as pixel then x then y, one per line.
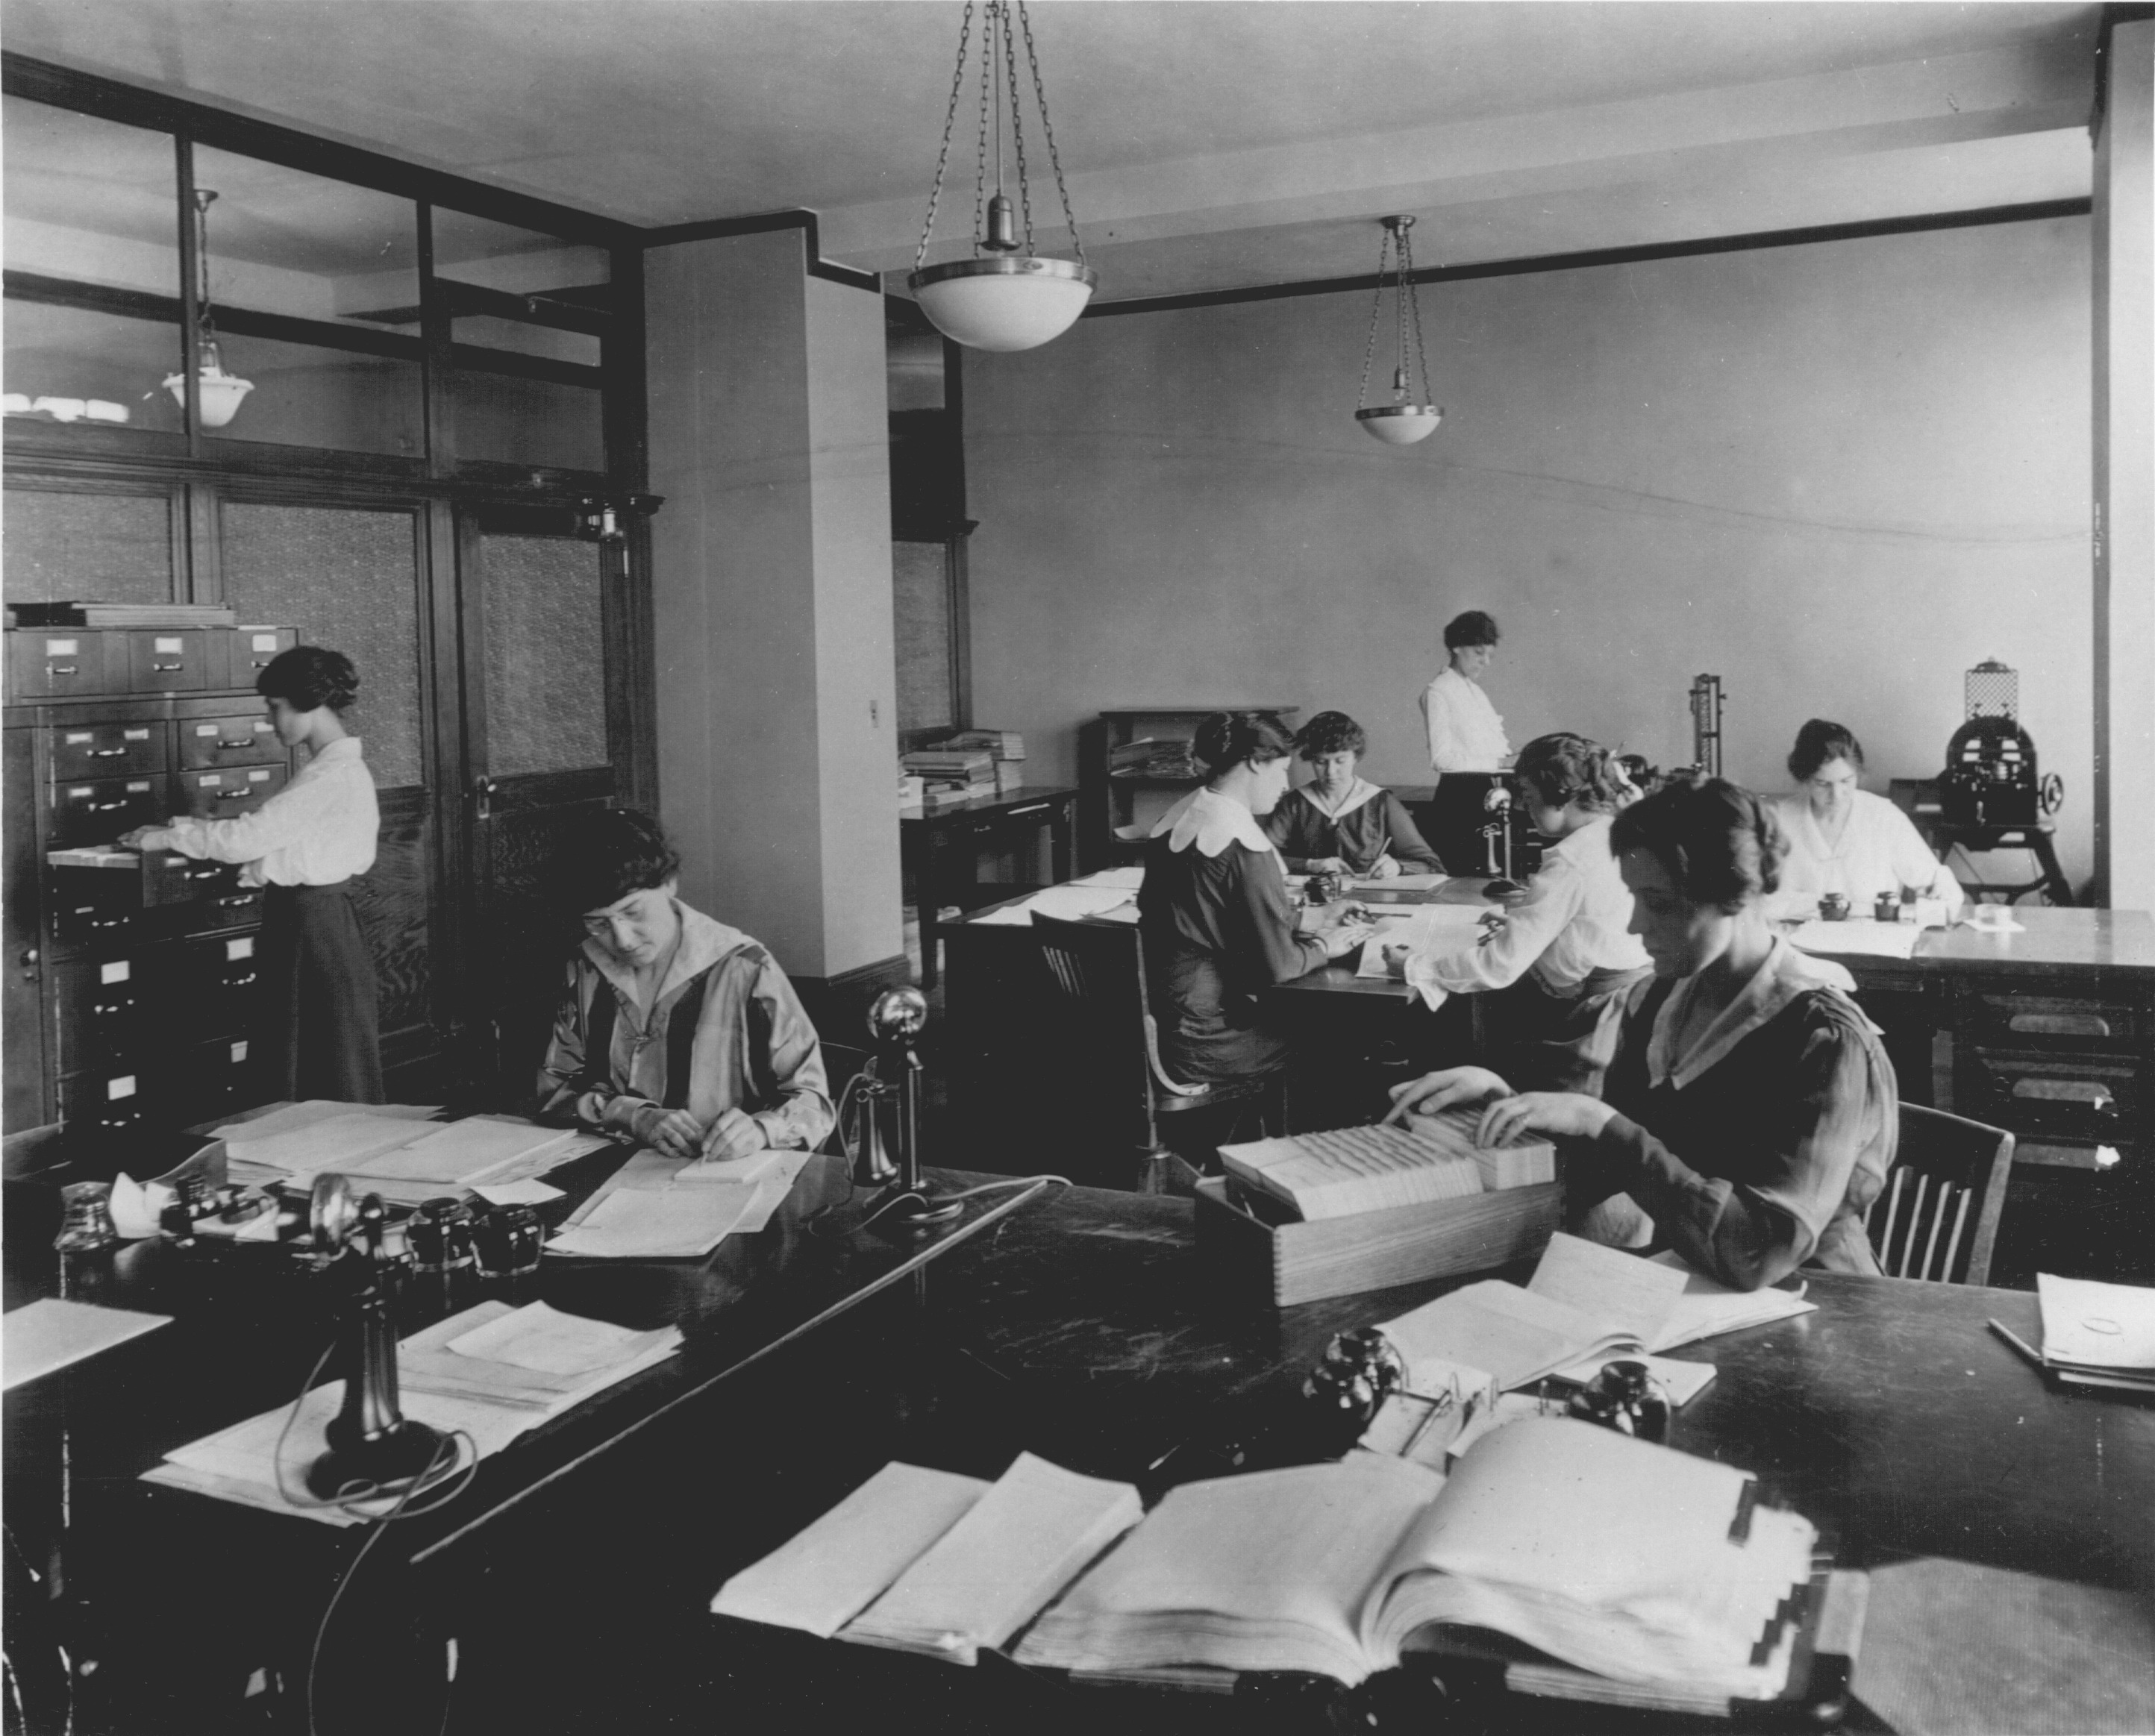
pixel 838 1005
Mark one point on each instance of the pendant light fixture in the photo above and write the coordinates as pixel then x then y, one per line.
pixel 1404 420
pixel 217 392
pixel 1005 297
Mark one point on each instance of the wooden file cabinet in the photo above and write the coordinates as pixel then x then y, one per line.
pixel 134 996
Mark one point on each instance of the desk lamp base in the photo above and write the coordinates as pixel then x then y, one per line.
pixel 389 1460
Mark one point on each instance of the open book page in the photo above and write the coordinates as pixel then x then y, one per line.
pixel 848 1558
pixel 1260 1572
pixel 1620 1290
pixel 1707 1310
pixel 1516 1336
pixel 1346 1170
pixel 1604 1551
pixel 1026 1539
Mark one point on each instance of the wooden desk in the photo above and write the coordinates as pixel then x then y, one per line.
pixel 927 837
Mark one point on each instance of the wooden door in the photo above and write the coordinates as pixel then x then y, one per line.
pixel 549 657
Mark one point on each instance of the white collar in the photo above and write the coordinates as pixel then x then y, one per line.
pixel 1785 975
pixel 1211 821
pixel 705 940
pixel 1585 845
pixel 1360 794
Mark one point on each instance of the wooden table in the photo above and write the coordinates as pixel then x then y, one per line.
pixel 927 836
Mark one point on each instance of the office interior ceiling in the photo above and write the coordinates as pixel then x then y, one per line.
pixel 1210 143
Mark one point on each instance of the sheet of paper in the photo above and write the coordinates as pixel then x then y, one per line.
pixel 1402 883
pixel 1446 927
pixel 1859 935
pixel 848 1558
pixel 529 1192
pixel 1682 1382
pixel 48 1334
pixel 1129 879
pixel 538 1337
pixel 1516 1334
pixel 1707 1310
pixel 462 1151
pixel 754 1167
pixel 1068 903
pixel 2097 1326
pixel 679 1223
pixel 1608 1285
pixel 540 1159
pixel 339 1142
pixel 319 1108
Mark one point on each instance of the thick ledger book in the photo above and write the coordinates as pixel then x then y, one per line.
pixel 2098 1335
pixel 986 1577
pixel 1634 1562
pixel 1351 1170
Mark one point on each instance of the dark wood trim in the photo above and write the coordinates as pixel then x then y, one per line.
pixel 471 357
pixel 94 298
pixel 961 628
pixel 1364 284
pixel 766 223
pixel 437 418
pixel 551 307
pixel 90 93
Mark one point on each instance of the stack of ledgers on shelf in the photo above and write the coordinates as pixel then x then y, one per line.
pixel 952 775
pixel 492 1372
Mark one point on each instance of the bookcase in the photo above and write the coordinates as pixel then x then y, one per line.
pixel 1132 765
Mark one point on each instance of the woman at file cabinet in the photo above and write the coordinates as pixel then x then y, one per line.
pixel 1339 824
pixel 1750 1116
pixel 674 1028
pixel 1213 910
pixel 1565 957
pixel 304 845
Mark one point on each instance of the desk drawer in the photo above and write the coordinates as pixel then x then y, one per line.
pixel 248 740
pixel 2072 1098
pixel 107 750
pixel 2081 1023
pixel 98 810
pixel 43 663
pixel 233 790
pixel 164 660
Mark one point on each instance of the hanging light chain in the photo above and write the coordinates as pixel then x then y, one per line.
pixel 1376 307
pixel 949 125
pixel 987 113
pixel 1017 126
pixel 1413 302
pixel 1048 128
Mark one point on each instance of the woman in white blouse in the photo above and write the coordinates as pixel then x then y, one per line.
pixel 1565 950
pixel 1842 838
pixel 304 845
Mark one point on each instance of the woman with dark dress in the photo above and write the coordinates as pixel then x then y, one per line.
pixel 1750 1115
pixel 304 845
pixel 1340 823
pixel 1214 912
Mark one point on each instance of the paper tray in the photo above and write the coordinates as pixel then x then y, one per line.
pixel 1285 1264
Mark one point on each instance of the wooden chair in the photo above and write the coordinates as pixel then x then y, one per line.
pixel 1936 1216
pixel 1097 973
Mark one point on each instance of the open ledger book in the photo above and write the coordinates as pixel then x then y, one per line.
pixel 1641 1565
pixel 1349 1170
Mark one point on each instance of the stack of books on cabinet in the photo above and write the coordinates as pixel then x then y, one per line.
pixel 973 765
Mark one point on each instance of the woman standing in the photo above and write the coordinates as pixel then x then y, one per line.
pixel 1564 958
pixel 304 845
pixel 1749 1115
pixel 1842 838
pixel 1340 823
pixel 1214 912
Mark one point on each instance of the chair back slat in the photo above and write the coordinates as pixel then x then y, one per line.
pixel 1941 1204
pixel 1915 1218
pixel 1096 974
pixel 1952 1243
pixel 1942 1225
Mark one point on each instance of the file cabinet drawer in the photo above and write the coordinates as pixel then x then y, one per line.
pixel 98 811
pixel 108 1100
pixel 232 906
pixel 248 740
pixel 107 750
pixel 250 651
pixel 233 790
pixel 99 1008
pixel 167 660
pixel 2083 1098
pixel 207 1079
pixel 2080 1023
pixel 46 664
pixel 208 986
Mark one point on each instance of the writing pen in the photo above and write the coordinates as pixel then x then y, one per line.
pixel 2033 1360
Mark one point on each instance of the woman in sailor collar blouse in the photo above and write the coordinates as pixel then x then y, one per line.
pixel 1338 823
pixel 1214 912
pixel 1750 1111
pixel 1843 838
pixel 304 845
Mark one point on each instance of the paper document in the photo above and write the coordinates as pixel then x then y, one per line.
pixel 1859 935
pixel 339 1143
pixel 1707 1310
pixel 2107 1328
pixel 529 1192
pixel 1129 879
pixel 462 1152
pixel 320 1109
pixel 543 1338
pixel 848 1558
pixel 1441 928
pixel 1615 1289
pixel 49 1334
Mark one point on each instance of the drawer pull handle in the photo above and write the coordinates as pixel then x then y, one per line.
pixel 204 873
pixel 63 669
pixel 237 898
pixel 108 753
pixel 239 981
pixel 2059 1025
pixel 108 922
pixel 168 668
pixel 234 743
pixel 263 662
pixel 2067 1090
pixel 105 807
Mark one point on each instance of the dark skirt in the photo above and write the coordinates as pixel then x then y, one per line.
pixel 324 1037
pixel 1456 819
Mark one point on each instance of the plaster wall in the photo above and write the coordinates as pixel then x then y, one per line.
pixel 1835 475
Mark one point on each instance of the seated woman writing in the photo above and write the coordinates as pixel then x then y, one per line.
pixel 1564 958
pixel 1338 823
pixel 1749 1111
pixel 674 1028
pixel 1842 838
pixel 1214 912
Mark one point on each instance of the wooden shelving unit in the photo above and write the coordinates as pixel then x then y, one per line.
pixel 1133 764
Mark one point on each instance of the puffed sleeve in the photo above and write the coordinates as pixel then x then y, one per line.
pixel 1447 749
pixel 804 1116
pixel 1552 899
pixel 567 1085
pixel 1296 829
pixel 1260 922
pixel 1408 845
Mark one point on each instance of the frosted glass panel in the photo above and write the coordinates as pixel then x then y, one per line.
pixel 86 368
pixel 67 547
pixel 920 576
pixel 545 656
pixel 305 395
pixel 506 419
pixel 348 581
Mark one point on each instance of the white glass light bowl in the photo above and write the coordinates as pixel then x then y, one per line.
pixel 220 393
pixel 1003 302
pixel 1401 424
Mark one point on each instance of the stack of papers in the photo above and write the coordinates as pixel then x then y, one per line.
pixel 1859 935
pixel 2098 1335
pixel 1066 904
pixel 492 1372
pixel 1435 928
pixel 48 1334
pixel 379 1149
pixel 659 1207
